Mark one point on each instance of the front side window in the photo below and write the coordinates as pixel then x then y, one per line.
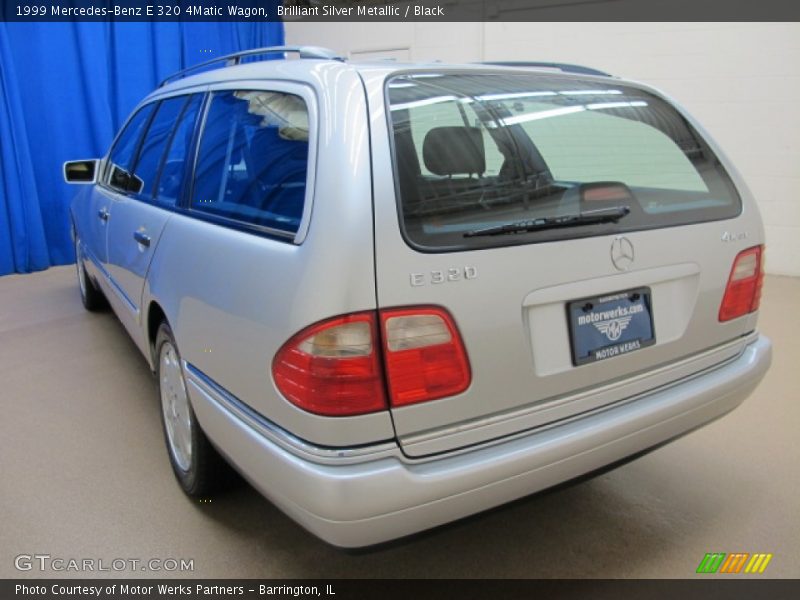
pixel 252 161
pixel 122 155
pixel 479 155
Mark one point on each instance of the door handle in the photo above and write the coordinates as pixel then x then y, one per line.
pixel 142 238
pixel 102 214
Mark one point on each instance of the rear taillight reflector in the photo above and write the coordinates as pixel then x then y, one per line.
pixel 743 292
pixel 332 368
pixel 424 355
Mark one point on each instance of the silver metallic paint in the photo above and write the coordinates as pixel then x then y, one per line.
pixel 528 421
pixel 496 323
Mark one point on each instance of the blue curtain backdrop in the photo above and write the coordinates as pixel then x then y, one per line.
pixel 65 89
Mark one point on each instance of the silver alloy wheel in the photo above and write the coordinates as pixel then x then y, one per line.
pixel 175 407
pixel 80 267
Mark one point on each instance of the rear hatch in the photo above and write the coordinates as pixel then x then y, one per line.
pixel 579 231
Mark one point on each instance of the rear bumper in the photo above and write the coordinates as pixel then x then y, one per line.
pixel 386 496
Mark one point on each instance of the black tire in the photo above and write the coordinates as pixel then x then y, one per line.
pixel 202 471
pixel 91 297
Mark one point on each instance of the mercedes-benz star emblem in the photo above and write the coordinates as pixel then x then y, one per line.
pixel 622 253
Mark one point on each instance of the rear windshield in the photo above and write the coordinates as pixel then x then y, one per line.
pixel 544 157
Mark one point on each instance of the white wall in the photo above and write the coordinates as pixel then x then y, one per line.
pixel 741 80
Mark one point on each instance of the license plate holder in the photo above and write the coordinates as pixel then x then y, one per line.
pixel 603 327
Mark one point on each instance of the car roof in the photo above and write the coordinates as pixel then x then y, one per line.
pixel 305 69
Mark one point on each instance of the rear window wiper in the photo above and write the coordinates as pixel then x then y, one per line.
pixel 589 217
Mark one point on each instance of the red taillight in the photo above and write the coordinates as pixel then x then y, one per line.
pixel 743 293
pixel 424 355
pixel 332 368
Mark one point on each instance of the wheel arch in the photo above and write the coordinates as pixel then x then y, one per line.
pixel 155 316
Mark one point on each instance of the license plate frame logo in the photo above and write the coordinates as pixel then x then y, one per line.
pixel 603 327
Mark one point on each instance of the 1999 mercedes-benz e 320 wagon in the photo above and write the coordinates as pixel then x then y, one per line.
pixel 392 295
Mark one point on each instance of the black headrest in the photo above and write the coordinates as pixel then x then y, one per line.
pixel 454 150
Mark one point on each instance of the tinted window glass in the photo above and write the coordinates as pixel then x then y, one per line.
pixel 477 151
pixel 153 146
pixel 253 159
pixel 452 114
pixel 122 154
pixel 170 179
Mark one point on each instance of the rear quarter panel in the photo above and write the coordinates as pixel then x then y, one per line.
pixel 233 298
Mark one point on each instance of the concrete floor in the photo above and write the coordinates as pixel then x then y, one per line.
pixel 85 475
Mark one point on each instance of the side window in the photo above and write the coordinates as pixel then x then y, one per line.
pixel 171 178
pixel 143 176
pixel 124 150
pixel 253 159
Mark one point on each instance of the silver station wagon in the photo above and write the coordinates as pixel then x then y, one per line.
pixel 392 295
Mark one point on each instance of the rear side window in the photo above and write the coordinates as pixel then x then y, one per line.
pixel 253 160
pixel 124 151
pixel 143 177
pixel 171 176
pixel 476 152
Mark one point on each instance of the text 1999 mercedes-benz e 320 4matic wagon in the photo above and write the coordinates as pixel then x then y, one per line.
pixel 392 295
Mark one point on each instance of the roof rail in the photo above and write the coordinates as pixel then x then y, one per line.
pixel 565 67
pixel 236 58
